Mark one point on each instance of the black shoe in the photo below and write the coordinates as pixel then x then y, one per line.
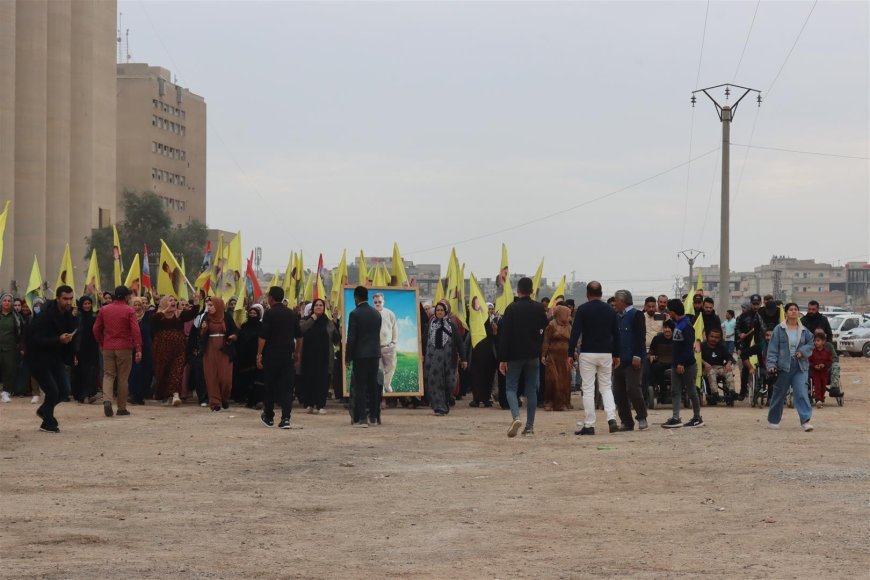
pixel 267 421
pixel 374 422
pixel 672 423
pixel 107 408
pixel 741 396
pixel 625 427
pixel 694 422
pixel 122 412
pixel 487 404
pixel 585 431
pixel 49 428
pixel 613 425
pixel 285 423
pixel 137 402
pixel 225 404
pixel 216 409
pixel 474 404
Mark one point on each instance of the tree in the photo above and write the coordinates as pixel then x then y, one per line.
pixel 146 221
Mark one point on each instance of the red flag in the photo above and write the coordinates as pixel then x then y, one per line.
pixel 146 270
pixel 253 284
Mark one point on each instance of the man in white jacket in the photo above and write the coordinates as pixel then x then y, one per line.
pixel 389 339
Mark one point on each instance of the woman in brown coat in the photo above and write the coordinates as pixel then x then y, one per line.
pixel 554 355
pixel 217 331
pixel 168 347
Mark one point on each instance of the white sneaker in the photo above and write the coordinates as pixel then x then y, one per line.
pixel 309 410
pixel 4 397
pixel 203 404
pixel 321 411
pixel 772 425
pixel 34 399
pixel 807 427
pixel 176 400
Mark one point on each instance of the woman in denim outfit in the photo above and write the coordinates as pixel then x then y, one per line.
pixel 788 359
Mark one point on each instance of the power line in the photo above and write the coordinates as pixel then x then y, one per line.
pixel 819 153
pixel 565 209
pixel 692 126
pixel 746 42
pixel 794 44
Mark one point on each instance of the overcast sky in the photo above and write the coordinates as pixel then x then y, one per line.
pixel 353 125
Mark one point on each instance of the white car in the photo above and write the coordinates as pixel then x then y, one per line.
pixel 856 342
pixel 845 323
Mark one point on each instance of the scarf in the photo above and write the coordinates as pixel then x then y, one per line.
pixel 139 301
pixel 164 308
pixel 440 332
pixel 216 323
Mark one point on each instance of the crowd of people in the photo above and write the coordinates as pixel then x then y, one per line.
pixel 121 350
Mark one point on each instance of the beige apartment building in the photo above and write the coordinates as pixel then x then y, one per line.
pixel 57 130
pixel 161 140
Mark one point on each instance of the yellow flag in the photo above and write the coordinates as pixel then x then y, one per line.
pixel 478 313
pixel 116 255
pixel 134 276
pixel 170 277
pixel 3 217
pixel 699 287
pixel 558 293
pixel 92 280
pixel 364 278
pixel 399 276
pixel 240 312
pixel 536 281
pixel 781 313
pixel 699 338
pixel 233 276
pixel 504 292
pixel 308 295
pixel 460 311
pixel 687 303
pixel 454 284
pixel 288 273
pixel 342 269
pixel 65 277
pixel 182 292
pixel 439 292
pixel 381 278
pixel 35 285
pixel 217 268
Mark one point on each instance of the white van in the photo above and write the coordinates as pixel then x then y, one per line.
pixel 843 323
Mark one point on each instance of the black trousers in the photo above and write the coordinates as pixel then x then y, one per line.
pixel 483 367
pixel 627 393
pixel 85 376
pixel 51 377
pixel 279 374
pixel 366 392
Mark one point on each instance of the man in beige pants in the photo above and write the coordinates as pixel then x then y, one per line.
pixel 117 333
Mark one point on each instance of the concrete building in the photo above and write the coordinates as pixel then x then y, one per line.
pixel 858 285
pixel 784 277
pixel 161 140
pixel 57 130
pixel 425 276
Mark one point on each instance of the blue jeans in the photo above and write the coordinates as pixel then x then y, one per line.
pixel 797 380
pixel 531 367
pixel 729 346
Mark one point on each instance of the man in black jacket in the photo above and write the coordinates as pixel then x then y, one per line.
pixel 363 351
pixel 49 348
pixel 596 331
pixel 814 320
pixel 520 336
pixel 276 353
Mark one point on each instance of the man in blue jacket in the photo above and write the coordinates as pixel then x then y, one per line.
pixel 632 351
pixel 684 367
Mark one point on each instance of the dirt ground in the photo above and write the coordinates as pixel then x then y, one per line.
pixel 184 493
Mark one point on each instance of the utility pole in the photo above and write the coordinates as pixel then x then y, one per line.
pixel 726 115
pixel 690 256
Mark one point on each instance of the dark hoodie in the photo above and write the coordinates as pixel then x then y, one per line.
pixel 43 336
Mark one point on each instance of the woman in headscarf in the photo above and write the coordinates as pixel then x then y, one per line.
pixel 218 332
pixel 11 335
pixel 247 378
pixel 142 372
pixel 554 355
pixel 443 347
pixel 85 375
pixel 319 335
pixel 167 327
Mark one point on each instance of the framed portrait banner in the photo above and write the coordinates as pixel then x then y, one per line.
pixel 400 369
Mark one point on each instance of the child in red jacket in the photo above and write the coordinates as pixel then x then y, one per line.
pixel 820 366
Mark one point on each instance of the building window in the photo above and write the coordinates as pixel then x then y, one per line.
pixel 105 218
pixel 161 86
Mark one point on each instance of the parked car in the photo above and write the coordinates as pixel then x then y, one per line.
pixel 845 323
pixel 856 342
